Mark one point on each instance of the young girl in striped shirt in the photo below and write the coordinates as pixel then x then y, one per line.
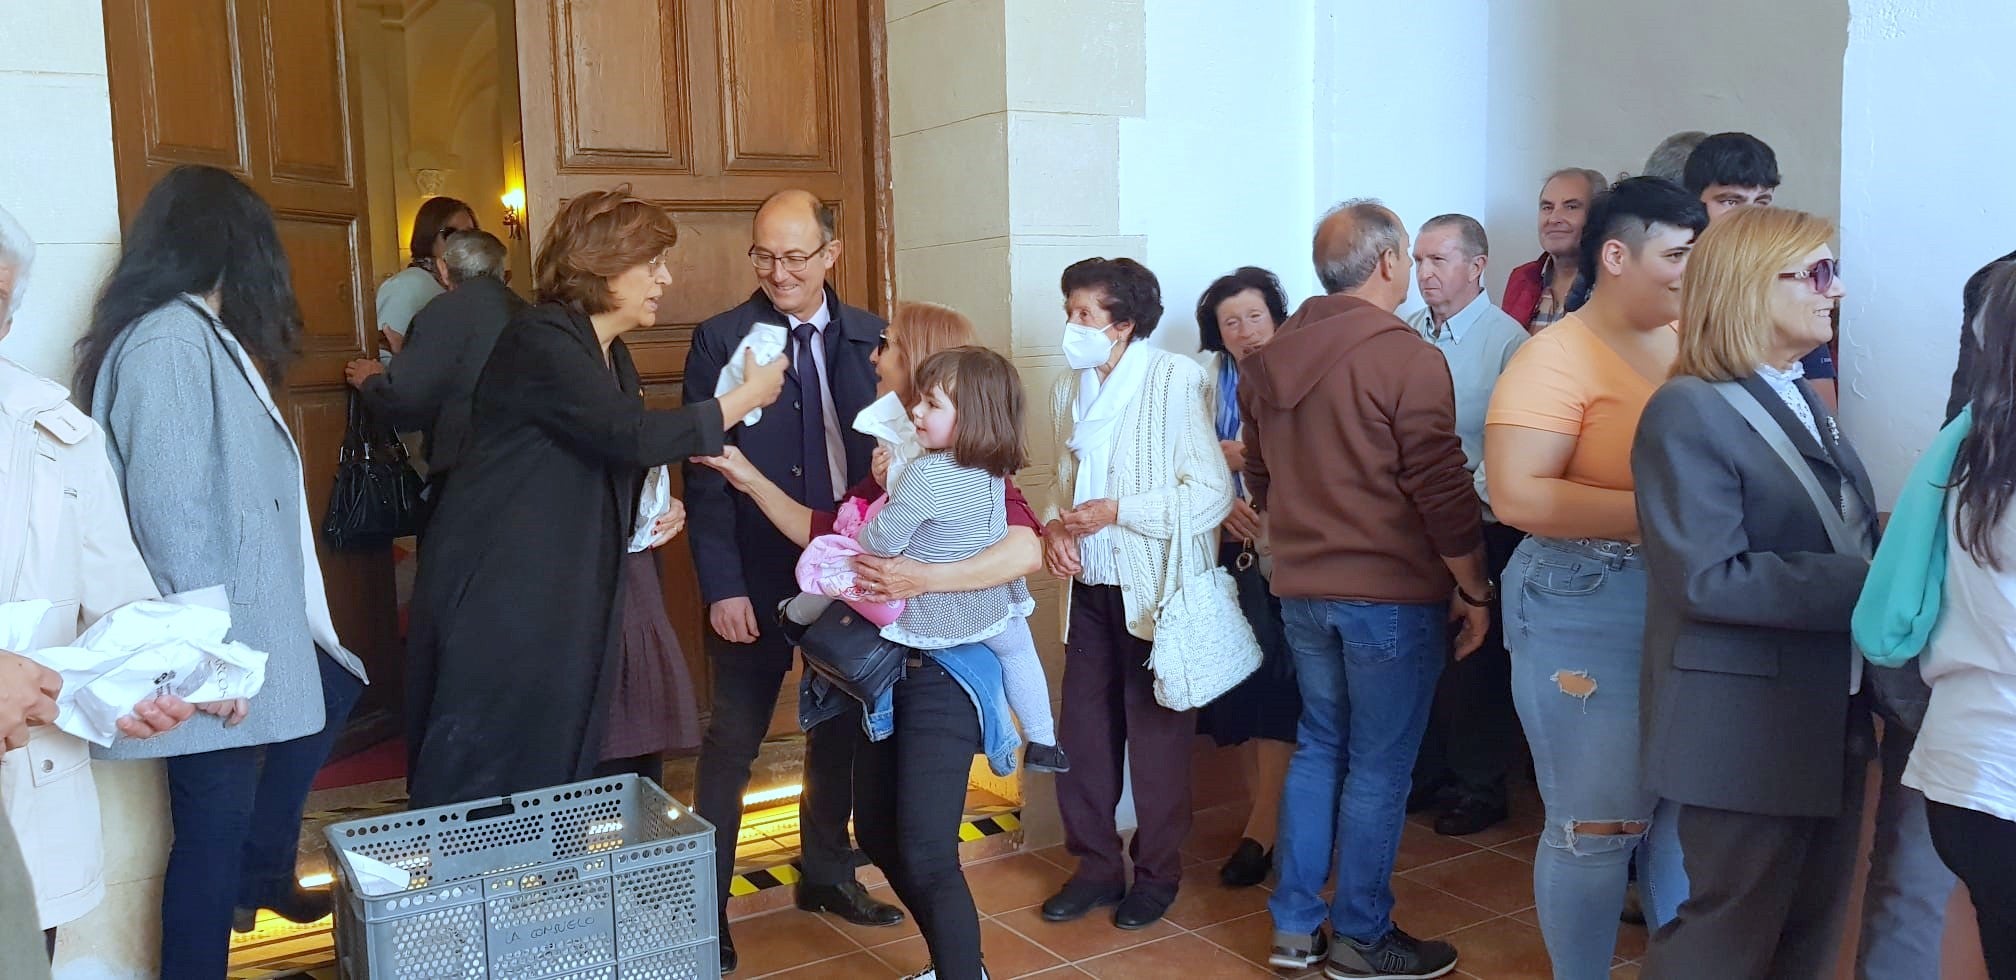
pixel 947 506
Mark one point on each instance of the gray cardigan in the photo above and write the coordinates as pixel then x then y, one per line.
pixel 213 488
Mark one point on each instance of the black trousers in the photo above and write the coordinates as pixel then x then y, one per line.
pixel 909 796
pixel 1473 731
pixel 1110 711
pixel 1767 896
pixel 745 694
pixel 1981 849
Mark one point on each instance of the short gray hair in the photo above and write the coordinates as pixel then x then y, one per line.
pixel 470 254
pixel 1375 230
pixel 17 252
pixel 1597 182
pixel 1468 230
pixel 1669 158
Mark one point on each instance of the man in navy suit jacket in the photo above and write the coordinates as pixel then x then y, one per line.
pixel 806 444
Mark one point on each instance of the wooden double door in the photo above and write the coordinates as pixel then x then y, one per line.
pixel 704 106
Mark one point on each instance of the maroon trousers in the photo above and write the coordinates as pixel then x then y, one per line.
pixel 1109 707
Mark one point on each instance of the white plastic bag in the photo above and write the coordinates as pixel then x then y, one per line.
pixel 652 504
pixel 888 421
pixel 138 651
pixel 766 341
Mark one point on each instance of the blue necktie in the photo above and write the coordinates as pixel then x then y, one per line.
pixel 812 415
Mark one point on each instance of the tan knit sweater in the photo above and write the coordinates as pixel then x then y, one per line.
pixel 1169 464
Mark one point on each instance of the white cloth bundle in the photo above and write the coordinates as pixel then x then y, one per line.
pixel 652 504
pixel 140 650
pixel 888 421
pixel 766 341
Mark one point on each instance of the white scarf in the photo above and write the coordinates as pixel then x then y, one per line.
pixel 1096 418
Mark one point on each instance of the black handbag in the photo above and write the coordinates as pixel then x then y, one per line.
pixel 848 651
pixel 377 494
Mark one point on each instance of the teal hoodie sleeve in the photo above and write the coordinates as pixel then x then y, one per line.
pixel 1906 586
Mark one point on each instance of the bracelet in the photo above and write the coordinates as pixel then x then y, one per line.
pixel 1490 593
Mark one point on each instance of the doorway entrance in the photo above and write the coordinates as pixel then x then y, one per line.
pixel 347 114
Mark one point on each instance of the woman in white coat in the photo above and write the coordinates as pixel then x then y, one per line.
pixel 74 550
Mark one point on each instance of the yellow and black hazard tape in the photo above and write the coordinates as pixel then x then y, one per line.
pixel 972 829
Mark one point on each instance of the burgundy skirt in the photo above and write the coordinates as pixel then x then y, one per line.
pixel 654 710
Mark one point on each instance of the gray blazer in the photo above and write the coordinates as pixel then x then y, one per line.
pixel 213 489
pixel 1745 702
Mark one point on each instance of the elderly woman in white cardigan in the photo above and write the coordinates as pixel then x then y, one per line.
pixel 1137 458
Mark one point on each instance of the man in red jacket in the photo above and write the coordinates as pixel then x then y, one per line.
pixel 1375 524
pixel 1537 293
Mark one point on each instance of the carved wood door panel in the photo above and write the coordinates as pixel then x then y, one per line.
pixel 708 107
pixel 264 89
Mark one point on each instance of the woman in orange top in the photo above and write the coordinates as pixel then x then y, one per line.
pixel 1557 459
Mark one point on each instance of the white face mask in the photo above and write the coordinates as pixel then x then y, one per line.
pixel 1085 347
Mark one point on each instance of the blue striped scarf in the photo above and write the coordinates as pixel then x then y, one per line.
pixel 1228 420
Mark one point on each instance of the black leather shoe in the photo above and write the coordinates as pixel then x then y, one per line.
pixel 1079 897
pixel 296 904
pixel 849 901
pixel 729 961
pixel 1141 909
pixel 1468 817
pixel 1248 865
pixel 1428 797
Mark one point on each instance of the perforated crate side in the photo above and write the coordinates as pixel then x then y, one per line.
pixel 665 896
pixel 700 961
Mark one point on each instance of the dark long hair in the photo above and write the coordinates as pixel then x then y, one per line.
pixel 430 223
pixel 1985 473
pixel 199 229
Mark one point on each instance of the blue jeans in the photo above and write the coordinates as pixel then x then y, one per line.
pixel 1367 673
pixel 1575 624
pixel 1904 906
pixel 237 819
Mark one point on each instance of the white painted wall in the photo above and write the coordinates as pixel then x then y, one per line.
pixel 1217 172
pixel 56 172
pixel 1596 83
pixel 1926 200
pixel 1401 109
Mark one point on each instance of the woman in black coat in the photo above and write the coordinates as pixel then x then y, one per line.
pixel 514 640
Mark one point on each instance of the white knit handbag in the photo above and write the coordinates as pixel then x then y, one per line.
pixel 1203 644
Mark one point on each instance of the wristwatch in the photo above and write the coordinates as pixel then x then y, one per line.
pixel 1490 595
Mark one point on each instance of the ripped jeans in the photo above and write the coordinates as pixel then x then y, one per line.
pixel 1574 623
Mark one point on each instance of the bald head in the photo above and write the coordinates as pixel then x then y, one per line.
pixel 799 208
pixel 1361 250
pixel 793 245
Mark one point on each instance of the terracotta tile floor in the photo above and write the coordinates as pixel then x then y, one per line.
pixel 1476 892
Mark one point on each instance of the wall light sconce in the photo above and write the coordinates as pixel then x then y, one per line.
pixel 514 212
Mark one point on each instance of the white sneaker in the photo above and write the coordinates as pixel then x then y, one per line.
pixel 931 973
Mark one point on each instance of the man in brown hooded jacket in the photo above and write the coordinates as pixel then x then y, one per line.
pixel 1373 519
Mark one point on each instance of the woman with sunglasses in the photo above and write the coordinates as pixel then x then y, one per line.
pixel 1755 728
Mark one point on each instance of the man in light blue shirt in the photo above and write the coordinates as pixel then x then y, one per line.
pixel 1473 732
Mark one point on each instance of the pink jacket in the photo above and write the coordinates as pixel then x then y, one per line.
pixel 827 566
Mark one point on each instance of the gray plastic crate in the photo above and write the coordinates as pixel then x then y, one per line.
pixel 608 879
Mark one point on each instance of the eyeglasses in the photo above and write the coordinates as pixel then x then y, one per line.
pixel 1820 275
pixel 881 342
pixel 792 261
